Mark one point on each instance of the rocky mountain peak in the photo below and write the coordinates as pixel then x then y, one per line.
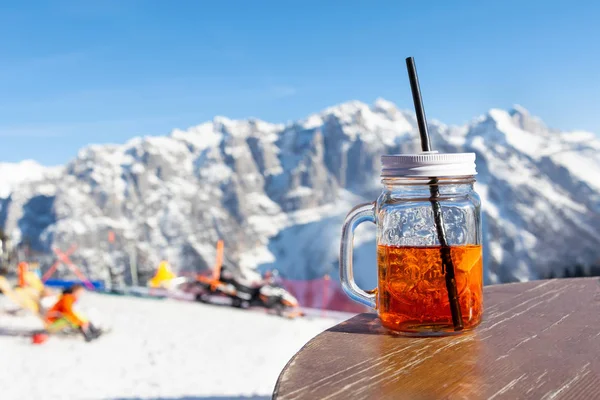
pixel 277 194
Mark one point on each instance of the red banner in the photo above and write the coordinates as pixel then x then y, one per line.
pixel 324 293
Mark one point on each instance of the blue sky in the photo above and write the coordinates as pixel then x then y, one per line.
pixel 74 73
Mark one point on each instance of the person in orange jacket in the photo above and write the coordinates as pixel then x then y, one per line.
pixel 62 314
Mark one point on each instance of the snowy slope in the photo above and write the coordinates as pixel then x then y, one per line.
pixel 277 193
pixel 156 349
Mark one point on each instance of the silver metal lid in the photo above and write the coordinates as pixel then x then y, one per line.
pixel 429 163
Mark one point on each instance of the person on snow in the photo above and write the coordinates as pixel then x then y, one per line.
pixel 62 314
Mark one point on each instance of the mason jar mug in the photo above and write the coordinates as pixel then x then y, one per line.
pixel 429 254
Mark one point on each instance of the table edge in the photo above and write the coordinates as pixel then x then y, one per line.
pixel 291 360
pixel 275 393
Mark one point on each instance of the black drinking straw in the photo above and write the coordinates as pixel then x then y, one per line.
pixel 447 265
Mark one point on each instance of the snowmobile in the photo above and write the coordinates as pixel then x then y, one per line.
pixel 243 289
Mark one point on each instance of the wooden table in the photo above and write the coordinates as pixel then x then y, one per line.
pixel 538 340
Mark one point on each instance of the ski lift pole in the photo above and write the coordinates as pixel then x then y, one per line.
pixel 133 265
pixel 111 264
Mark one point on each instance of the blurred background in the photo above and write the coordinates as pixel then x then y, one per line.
pixel 148 144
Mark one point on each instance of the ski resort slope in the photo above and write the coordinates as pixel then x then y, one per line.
pixel 157 349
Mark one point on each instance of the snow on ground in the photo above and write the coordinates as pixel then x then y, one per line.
pixel 157 349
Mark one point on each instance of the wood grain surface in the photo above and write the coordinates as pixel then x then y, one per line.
pixel 538 340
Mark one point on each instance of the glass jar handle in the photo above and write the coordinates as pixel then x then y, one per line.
pixel 358 215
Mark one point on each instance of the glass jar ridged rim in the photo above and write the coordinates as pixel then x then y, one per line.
pixel 392 181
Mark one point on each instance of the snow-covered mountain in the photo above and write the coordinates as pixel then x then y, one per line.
pixel 277 194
